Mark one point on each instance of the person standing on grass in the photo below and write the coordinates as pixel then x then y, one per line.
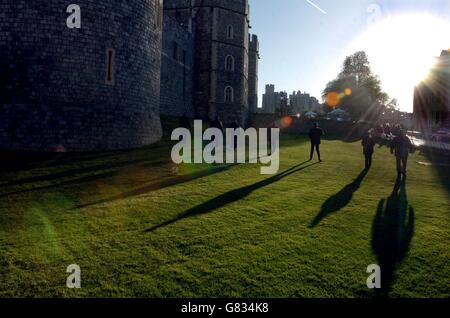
pixel 401 146
pixel 368 144
pixel 315 135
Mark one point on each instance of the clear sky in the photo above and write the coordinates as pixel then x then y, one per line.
pixel 302 48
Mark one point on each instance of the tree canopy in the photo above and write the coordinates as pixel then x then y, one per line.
pixel 356 89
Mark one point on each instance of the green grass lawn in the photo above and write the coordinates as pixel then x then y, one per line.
pixel 140 228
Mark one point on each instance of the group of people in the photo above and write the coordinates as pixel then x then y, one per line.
pixel 387 131
pixel 400 145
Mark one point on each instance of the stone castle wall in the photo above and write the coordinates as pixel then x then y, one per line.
pixel 177 70
pixel 212 46
pixel 53 89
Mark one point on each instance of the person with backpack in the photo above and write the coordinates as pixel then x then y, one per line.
pixel 401 146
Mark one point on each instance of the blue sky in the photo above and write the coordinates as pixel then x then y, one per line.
pixel 302 48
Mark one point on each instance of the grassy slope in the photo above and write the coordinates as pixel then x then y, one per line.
pixel 243 234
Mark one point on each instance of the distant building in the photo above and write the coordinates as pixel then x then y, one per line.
pixel 298 102
pixel 303 102
pixel 271 100
pixel 432 97
pixel 253 69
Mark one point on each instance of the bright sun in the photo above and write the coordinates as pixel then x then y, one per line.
pixel 401 50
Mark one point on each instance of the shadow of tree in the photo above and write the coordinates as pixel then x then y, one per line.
pixel 340 200
pixel 232 196
pixel 392 232
pixel 172 181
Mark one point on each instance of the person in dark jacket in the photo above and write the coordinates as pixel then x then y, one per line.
pixel 315 135
pixel 368 144
pixel 401 146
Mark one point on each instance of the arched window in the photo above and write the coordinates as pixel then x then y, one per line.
pixel 230 32
pixel 229 94
pixel 229 63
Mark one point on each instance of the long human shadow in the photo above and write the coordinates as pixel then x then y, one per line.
pixel 231 196
pixel 392 232
pixel 340 200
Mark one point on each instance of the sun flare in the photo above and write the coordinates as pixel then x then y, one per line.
pixel 402 49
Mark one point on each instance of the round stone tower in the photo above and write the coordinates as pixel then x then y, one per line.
pixel 79 78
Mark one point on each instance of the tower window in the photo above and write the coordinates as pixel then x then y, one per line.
pixel 110 65
pixel 230 32
pixel 229 63
pixel 229 94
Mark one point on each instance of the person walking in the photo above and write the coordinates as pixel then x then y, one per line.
pixel 368 144
pixel 315 135
pixel 401 146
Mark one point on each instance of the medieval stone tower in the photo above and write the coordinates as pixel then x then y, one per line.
pixel 96 87
pixel 222 81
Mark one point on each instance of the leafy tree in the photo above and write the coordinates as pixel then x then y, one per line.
pixel 357 89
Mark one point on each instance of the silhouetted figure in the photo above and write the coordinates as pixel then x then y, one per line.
pixel 185 122
pixel 387 129
pixel 368 144
pixel 401 146
pixel 396 131
pixel 315 135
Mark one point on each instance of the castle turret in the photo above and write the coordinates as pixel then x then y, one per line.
pixel 253 58
pixel 221 73
pixel 92 85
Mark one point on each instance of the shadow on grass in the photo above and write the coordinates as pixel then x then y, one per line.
pixel 339 200
pixel 441 163
pixel 160 185
pixel 231 196
pixel 72 172
pixel 392 232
